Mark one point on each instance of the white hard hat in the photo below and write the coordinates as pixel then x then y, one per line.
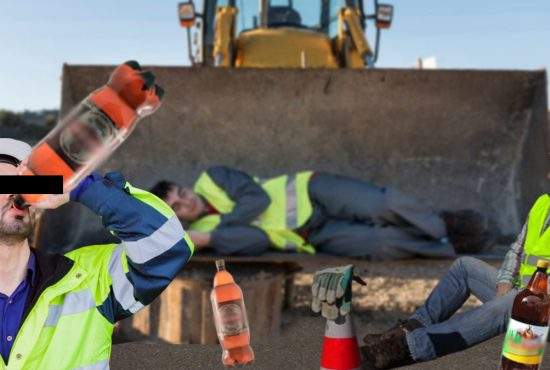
pixel 14 148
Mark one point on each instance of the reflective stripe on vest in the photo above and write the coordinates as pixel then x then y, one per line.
pixel 164 238
pixel 74 303
pixel 289 209
pixel 122 288
pixel 537 241
pixel 65 330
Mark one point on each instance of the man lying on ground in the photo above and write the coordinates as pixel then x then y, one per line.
pixel 435 330
pixel 235 214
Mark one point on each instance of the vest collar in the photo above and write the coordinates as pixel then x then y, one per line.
pixel 50 269
pixel 55 278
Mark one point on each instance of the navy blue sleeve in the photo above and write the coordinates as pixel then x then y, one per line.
pixel 249 197
pixel 154 245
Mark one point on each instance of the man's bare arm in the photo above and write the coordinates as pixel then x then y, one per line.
pixel 200 239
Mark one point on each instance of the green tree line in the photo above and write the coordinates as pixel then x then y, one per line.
pixel 29 126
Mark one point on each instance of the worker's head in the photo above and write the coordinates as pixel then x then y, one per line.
pixel 187 205
pixel 15 225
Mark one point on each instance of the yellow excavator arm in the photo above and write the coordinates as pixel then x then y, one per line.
pixel 351 41
pixel 224 36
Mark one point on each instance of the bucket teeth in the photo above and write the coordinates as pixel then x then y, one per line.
pixel 133 64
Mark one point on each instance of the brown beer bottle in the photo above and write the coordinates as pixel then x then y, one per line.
pixel 525 338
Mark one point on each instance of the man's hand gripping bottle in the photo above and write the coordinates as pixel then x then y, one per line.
pixel 83 139
pixel 230 318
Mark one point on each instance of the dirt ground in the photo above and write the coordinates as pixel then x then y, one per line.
pixel 301 353
pixel 393 291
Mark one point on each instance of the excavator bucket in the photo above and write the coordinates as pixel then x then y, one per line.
pixel 453 138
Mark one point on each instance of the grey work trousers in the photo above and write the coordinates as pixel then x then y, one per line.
pixel 357 219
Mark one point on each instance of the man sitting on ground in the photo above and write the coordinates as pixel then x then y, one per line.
pixel 434 330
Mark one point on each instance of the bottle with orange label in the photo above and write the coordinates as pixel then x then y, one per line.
pixel 83 139
pixel 230 318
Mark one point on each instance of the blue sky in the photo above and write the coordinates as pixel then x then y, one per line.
pixel 39 36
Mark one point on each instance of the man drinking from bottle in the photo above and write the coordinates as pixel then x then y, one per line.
pixel 59 311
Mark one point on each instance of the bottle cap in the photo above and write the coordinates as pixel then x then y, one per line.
pixel 220 265
pixel 543 264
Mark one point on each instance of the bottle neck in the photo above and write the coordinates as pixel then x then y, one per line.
pixel 220 265
pixel 539 281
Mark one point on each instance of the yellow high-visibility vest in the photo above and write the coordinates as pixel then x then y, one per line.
pixel 65 328
pixel 289 209
pixel 537 241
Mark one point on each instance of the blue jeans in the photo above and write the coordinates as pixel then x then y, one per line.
pixel 443 331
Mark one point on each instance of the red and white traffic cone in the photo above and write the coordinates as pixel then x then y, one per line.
pixel 340 348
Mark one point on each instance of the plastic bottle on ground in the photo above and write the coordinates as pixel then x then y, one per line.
pixel 230 318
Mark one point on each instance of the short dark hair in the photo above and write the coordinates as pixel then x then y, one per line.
pixel 162 188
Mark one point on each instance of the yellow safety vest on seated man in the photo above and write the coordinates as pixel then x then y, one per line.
pixel 537 240
pixel 290 208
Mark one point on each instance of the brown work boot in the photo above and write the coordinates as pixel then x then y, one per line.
pixel 468 230
pixel 387 353
pixel 401 326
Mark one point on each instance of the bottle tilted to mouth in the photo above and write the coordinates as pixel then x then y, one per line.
pixel 84 138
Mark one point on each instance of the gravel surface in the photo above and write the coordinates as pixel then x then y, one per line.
pixel 297 348
pixel 394 290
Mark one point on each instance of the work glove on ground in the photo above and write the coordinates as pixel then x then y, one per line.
pixel 331 291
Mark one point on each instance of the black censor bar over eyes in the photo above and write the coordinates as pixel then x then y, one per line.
pixel 31 184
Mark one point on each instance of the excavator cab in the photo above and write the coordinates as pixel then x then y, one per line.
pixel 283 33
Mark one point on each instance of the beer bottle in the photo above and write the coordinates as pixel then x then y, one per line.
pixel 525 338
pixel 94 129
pixel 230 318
